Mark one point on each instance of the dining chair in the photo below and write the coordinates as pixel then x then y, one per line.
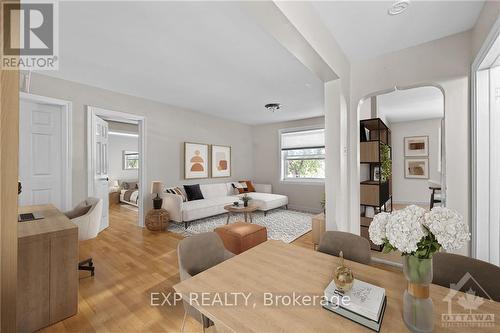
pixel 353 247
pixel 196 254
pixel 87 216
pixel 464 273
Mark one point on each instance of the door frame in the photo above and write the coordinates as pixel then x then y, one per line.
pixel 483 51
pixel 66 136
pixel 125 118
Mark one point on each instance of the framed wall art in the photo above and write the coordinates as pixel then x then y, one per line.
pixel 221 161
pixel 417 168
pixel 416 146
pixel 195 160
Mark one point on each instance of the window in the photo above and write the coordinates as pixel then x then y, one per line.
pixel 130 160
pixel 303 155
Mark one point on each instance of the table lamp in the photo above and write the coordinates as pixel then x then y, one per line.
pixel 156 188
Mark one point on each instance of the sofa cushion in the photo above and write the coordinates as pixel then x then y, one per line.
pixel 176 190
pixel 214 190
pixel 249 185
pixel 267 201
pixel 193 192
pixel 198 209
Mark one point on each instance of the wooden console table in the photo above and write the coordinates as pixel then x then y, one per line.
pixel 47 274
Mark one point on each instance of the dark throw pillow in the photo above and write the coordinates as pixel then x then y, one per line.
pixel 193 192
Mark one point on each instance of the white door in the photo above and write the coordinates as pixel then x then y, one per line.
pixel 40 154
pixel 100 166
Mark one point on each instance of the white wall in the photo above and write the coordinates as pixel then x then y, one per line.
pixel 266 164
pixel 167 127
pixel 444 63
pixel 116 145
pixel 413 191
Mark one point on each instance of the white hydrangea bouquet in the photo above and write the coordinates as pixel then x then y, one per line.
pixel 414 232
pixel 418 234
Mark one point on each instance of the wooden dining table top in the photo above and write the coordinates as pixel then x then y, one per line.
pixel 270 274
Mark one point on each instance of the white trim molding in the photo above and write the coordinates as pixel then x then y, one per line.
pixel 477 245
pixel 124 118
pixel 67 144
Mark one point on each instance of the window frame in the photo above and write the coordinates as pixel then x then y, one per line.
pixel 283 179
pixel 127 153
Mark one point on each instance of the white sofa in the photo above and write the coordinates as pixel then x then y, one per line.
pixel 216 196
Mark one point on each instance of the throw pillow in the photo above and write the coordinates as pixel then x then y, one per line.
pixel 178 191
pixel 240 187
pixel 249 185
pixel 193 192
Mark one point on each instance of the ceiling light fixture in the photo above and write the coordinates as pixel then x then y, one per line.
pixel 398 7
pixel 273 107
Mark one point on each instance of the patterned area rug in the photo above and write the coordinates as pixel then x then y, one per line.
pixel 281 224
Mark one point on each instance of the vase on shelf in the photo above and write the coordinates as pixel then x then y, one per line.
pixel 418 312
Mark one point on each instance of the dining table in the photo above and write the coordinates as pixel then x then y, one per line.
pixel 278 287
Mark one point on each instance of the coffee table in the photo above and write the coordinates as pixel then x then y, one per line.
pixel 247 211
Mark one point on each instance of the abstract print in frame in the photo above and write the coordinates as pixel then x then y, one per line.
pixel 221 161
pixel 195 160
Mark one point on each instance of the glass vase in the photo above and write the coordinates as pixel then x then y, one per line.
pixel 418 313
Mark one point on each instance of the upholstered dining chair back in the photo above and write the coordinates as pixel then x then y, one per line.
pixel 467 273
pixel 353 247
pixel 200 252
pixel 87 215
pixel 196 254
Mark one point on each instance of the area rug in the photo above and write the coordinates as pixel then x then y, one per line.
pixel 281 224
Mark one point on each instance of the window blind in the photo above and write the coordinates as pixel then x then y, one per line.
pixel 303 139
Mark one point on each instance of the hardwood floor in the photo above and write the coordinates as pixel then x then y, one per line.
pixel 131 263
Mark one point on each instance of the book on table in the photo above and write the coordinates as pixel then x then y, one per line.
pixel 366 303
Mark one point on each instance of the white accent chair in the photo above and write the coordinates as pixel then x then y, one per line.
pixel 87 216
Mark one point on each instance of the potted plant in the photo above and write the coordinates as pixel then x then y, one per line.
pixel 245 198
pixel 418 234
pixel 386 163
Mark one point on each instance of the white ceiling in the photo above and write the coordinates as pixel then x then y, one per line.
pixel 364 30
pixel 412 104
pixel 208 57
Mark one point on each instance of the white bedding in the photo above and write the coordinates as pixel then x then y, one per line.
pixel 133 197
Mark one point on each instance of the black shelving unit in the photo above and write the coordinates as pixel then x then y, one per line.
pixel 374 193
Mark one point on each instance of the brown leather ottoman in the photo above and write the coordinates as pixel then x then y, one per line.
pixel 241 236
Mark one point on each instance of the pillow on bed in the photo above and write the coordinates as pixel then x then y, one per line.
pixel 178 191
pixel 130 185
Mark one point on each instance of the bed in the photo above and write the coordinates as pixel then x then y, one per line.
pixel 129 192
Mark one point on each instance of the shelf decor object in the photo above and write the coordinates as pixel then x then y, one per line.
pixel 375 193
pixel 418 234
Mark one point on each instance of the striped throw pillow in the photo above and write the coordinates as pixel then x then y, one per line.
pixel 178 191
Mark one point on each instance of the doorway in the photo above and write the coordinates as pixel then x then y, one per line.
pixel 115 162
pixel 402 155
pixel 45 151
pixel 485 143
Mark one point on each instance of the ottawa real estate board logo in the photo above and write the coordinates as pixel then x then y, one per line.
pixel 30 35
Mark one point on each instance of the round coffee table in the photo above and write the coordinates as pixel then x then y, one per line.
pixel 247 211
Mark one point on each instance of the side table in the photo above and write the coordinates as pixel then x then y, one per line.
pixel 318 228
pixel 157 219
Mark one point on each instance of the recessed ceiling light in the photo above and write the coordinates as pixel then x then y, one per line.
pixel 273 106
pixel 398 7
